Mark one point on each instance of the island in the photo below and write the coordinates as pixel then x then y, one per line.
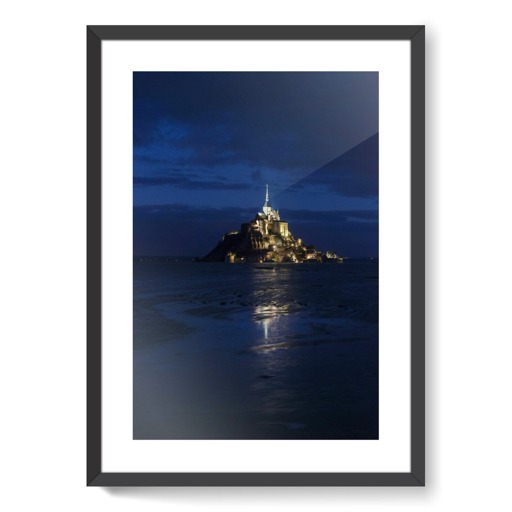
pixel 266 239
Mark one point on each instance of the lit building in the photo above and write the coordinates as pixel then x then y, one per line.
pixel 269 221
pixel 265 239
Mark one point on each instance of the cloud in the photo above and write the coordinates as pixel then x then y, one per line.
pixel 336 215
pixel 186 183
pixel 354 173
pixel 293 122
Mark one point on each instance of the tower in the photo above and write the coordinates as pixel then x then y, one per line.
pixel 267 209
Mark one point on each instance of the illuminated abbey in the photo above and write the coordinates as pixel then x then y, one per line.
pixel 265 239
pixel 269 222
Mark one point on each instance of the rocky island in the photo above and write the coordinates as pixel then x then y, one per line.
pixel 266 239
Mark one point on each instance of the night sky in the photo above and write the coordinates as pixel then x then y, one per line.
pixel 206 144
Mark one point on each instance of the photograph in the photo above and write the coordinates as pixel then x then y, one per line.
pixel 255 255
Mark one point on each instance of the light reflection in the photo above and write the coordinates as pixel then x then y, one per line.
pixel 270 319
pixel 273 315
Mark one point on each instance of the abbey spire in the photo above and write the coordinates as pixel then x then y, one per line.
pixel 267 209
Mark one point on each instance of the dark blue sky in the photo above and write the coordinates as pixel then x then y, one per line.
pixel 205 145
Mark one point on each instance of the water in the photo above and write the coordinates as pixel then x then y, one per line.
pixel 255 351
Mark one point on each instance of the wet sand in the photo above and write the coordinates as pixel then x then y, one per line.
pixel 239 352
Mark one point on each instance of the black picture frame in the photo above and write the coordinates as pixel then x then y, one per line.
pixel 95 36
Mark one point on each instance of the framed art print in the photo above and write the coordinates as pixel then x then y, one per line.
pixel 255 255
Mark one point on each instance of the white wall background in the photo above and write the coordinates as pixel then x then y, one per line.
pixel 42 266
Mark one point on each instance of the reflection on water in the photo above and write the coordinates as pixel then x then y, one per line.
pixel 241 352
pixel 271 319
pixel 273 360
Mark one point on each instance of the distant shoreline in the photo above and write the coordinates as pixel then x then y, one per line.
pixel 192 259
